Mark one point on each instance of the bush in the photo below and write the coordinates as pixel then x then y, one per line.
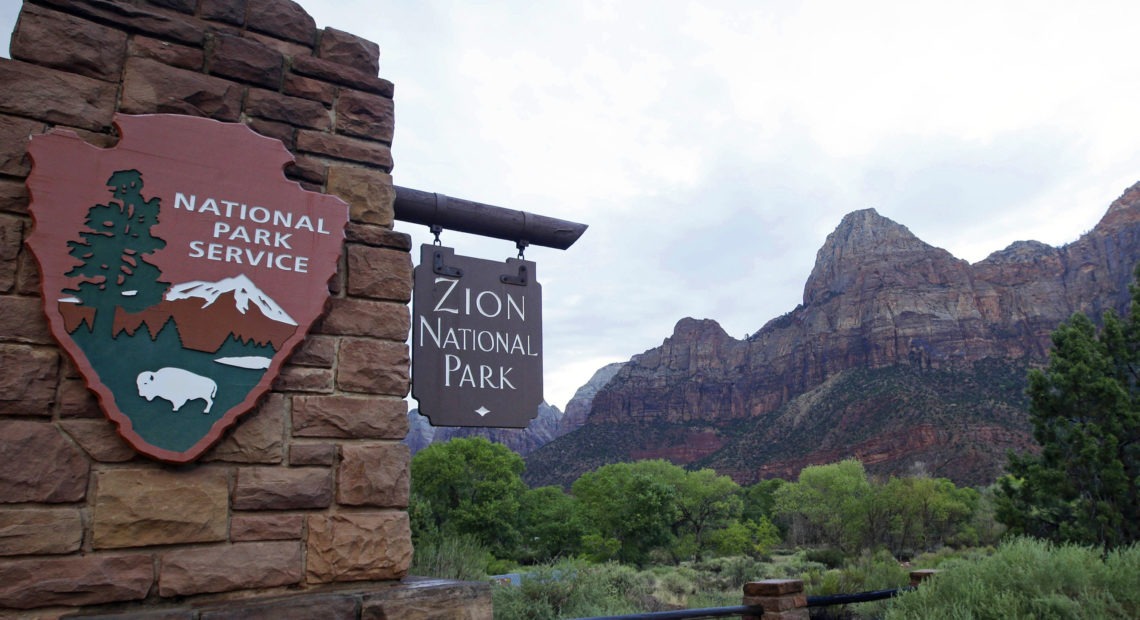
pixel 731 573
pixel 831 558
pixel 935 559
pixel 676 586
pixel 797 567
pixel 1028 578
pixel 567 589
pixel 876 571
pixel 450 557
pixel 868 572
pixel 635 585
pixel 1121 573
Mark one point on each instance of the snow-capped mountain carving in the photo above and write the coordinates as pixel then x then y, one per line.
pixel 244 292
pixel 206 314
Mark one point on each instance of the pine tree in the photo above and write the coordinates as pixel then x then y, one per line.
pixel 114 270
pixel 1084 485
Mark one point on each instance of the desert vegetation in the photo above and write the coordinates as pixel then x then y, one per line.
pixel 651 535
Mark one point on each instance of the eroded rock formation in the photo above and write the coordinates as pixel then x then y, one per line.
pixel 878 298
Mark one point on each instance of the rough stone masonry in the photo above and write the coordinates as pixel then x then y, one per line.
pixel 302 506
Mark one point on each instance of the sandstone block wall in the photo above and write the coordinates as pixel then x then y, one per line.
pixel 311 488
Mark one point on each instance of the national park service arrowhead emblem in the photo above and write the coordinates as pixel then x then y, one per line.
pixel 180 269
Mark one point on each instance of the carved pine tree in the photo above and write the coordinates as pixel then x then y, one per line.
pixel 112 253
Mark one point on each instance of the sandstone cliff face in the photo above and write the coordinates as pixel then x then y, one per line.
pixel 877 297
pixel 578 409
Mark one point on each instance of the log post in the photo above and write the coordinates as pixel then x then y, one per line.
pixel 918 576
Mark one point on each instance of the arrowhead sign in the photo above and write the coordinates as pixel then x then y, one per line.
pixel 179 270
pixel 476 340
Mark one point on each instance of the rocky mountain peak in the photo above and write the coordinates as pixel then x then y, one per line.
pixel 694 343
pixel 899 354
pixel 1123 211
pixel 865 232
pixel 1022 252
pixel 689 330
pixel 868 250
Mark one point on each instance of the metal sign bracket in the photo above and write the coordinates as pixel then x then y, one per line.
pixel 441 269
pixel 519 280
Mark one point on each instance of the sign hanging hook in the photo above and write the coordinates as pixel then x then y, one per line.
pixel 522 244
pixel 435 230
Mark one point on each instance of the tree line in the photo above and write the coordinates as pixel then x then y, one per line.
pixel 656 512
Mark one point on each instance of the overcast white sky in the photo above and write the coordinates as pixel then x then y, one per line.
pixel 711 146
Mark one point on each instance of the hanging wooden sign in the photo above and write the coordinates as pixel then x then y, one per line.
pixel 476 340
pixel 179 270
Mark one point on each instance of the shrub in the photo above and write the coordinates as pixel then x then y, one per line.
pixel 797 567
pixel 450 557
pixel 566 589
pixel 934 559
pixel 1121 573
pixel 868 572
pixel 675 587
pixel 733 572
pixel 635 585
pixel 831 558
pixel 1028 578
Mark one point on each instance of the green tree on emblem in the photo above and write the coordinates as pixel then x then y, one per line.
pixel 112 253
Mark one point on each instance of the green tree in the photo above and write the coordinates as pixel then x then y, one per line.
pixel 628 511
pixel 694 505
pixel 746 538
pixel 1084 485
pixel 984 528
pixel 469 486
pixel 113 268
pixel 760 499
pixel 838 506
pixel 551 525
pixel 706 502
pixel 922 513
pixel 826 505
pixel 759 504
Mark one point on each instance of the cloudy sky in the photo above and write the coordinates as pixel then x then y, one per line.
pixel 711 146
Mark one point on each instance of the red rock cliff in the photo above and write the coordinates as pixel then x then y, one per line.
pixel 879 296
pixel 880 300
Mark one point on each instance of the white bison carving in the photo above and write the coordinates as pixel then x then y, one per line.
pixel 177 386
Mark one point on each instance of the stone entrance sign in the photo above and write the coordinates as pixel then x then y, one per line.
pixel 180 270
pixel 476 340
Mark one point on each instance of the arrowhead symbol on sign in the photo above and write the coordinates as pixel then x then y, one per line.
pixel 482 411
